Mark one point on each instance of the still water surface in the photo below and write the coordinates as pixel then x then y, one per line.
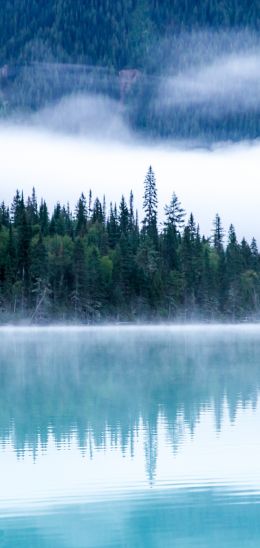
pixel 130 437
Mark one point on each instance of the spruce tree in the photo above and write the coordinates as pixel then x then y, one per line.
pixel 4 215
pixel 123 217
pixel 255 262
pixel 32 208
pixel 80 279
pixel 97 213
pixel 113 227
pixel 173 224
pixel 150 205
pixel 175 214
pixel 234 268
pixel 218 234
pixel 23 253
pixel 81 216
pixel 44 218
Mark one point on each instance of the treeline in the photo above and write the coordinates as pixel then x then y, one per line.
pixel 109 33
pixel 98 263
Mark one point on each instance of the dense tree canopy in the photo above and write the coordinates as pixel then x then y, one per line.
pixel 60 47
pixel 95 264
pixel 106 32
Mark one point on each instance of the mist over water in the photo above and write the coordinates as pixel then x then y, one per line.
pixel 99 387
pixel 135 435
pixel 118 426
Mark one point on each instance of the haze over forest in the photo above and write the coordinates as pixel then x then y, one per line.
pixel 92 94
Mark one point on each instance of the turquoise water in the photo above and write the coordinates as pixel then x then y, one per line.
pixel 130 437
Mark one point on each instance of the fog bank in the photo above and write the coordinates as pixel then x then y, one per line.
pixel 229 83
pixel 224 179
pixel 216 73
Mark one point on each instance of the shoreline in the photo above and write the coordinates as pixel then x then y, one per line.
pixel 195 326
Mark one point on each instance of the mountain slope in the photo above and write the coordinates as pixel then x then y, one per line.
pixel 108 32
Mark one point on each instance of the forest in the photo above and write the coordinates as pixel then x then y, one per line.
pixel 100 263
pixel 104 32
pixel 57 48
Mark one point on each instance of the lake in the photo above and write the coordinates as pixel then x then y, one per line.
pixel 130 437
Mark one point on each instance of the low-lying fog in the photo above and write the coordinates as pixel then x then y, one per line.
pixel 218 71
pixel 84 141
pixel 224 180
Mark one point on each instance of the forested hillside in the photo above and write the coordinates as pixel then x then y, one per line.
pixel 107 32
pixel 170 63
pixel 99 263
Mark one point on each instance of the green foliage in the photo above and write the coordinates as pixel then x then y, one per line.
pixel 41 42
pixel 91 266
pixel 150 204
pixel 106 32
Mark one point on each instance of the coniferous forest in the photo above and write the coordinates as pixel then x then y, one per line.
pixel 109 33
pixel 100 263
pixel 126 50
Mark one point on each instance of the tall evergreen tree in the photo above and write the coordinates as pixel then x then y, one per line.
pixel 32 208
pixel 123 217
pixel 150 205
pixel 218 234
pixel 44 218
pixel 80 278
pixel 81 216
pixel 175 214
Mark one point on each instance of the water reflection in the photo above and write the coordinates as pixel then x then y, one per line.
pixel 130 437
pixel 104 385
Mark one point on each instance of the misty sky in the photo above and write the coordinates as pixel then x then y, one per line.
pixel 225 180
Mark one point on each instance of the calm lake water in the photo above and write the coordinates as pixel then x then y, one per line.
pixel 130 437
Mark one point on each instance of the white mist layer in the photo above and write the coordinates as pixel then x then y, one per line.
pixel 224 180
pixel 96 116
pixel 231 83
pixel 218 73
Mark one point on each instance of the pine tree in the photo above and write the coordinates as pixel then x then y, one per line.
pixel 39 260
pixel 123 217
pixel 234 258
pixel 17 208
pixel 186 260
pixel 131 211
pixel 32 209
pixel 255 262
pixel 234 268
pixel 23 253
pixel 81 216
pixel 39 278
pixel 218 234
pixel 97 213
pixel 113 227
pixel 44 218
pixel 11 260
pixel 175 214
pixel 80 279
pixel 4 215
pixel 150 204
